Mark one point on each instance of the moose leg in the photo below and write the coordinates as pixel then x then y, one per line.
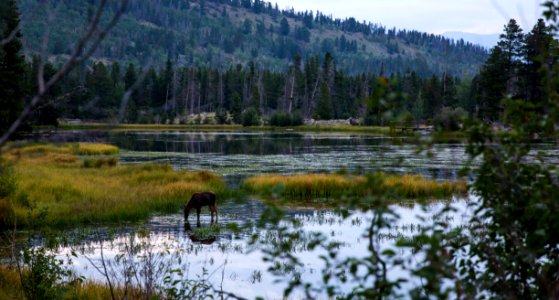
pixel 186 213
pixel 213 210
pixel 216 215
pixel 198 210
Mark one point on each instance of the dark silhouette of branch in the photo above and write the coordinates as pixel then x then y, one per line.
pixel 128 94
pixel 10 37
pixel 86 46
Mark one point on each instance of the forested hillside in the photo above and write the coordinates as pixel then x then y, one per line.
pixel 222 33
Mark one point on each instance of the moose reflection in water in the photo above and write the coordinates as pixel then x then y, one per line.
pixel 197 201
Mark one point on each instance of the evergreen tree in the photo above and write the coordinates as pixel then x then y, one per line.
pixel 432 94
pixel 254 101
pixel 115 73
pixel 284 27
pixel 538 52
pixel 324 110
pixel 237 108
pixel 493 85
pixel 12 66
pixel 511 47
pixel 130 77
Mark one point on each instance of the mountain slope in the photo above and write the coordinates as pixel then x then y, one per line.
pixel 222 33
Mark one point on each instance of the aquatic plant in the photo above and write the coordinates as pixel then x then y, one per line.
pixel 205 233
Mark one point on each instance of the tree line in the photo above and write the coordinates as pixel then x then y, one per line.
pixel 314 88
pixel 515 69
pixel 219 34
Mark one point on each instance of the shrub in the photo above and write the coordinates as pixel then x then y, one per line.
pixel 207 120
pixel 449 119
pixel 250 117
pixel 297 119
pixel 221 117
pixel 43 277
pixel 283 119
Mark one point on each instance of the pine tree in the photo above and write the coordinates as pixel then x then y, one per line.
pixel 511 47
pixel 493 84
pixel 538 52
pixel 12 66
pixel 284 26
pixel 237 108
pixel 324 110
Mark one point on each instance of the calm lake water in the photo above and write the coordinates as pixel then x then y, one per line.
pixel 229 262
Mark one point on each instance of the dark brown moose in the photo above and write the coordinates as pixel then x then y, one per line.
pixel 197 201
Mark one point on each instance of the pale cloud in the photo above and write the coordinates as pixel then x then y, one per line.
pixel 435 16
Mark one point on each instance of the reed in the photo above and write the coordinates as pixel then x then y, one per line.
pixel 313 186
pixel 59 189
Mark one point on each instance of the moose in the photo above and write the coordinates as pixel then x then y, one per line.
pixel 197 201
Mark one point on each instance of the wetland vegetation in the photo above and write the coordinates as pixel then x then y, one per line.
pixel 325 189
pixel 72 184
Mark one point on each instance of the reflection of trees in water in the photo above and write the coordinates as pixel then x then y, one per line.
pixel 231 144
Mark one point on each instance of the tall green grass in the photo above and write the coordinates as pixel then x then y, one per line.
pixel 56 188
pixel 306 187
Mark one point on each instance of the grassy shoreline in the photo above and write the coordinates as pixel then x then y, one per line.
pixel 72 184
pixel 226 128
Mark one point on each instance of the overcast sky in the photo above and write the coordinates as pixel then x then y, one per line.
pixel 434 16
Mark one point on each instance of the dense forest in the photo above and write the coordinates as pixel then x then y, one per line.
pixel 314 86
pixel 219 34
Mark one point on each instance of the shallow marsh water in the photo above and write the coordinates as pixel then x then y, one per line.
pixel 228 262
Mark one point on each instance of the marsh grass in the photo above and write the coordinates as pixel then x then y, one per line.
pixel 304 186
pixel 322 188
pixel 206 233
pixel 93 149
pixel 55 187
pixel 11 288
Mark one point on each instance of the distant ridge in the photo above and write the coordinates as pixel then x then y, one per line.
pixel 486 40
pixel 225 33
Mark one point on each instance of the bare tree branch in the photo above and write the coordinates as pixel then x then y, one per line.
pixel 10 37
pixel 128 93
pixel 76 90
pixel 90 42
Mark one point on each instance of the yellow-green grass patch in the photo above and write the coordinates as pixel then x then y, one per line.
pixel 56 189
pixel 306 187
